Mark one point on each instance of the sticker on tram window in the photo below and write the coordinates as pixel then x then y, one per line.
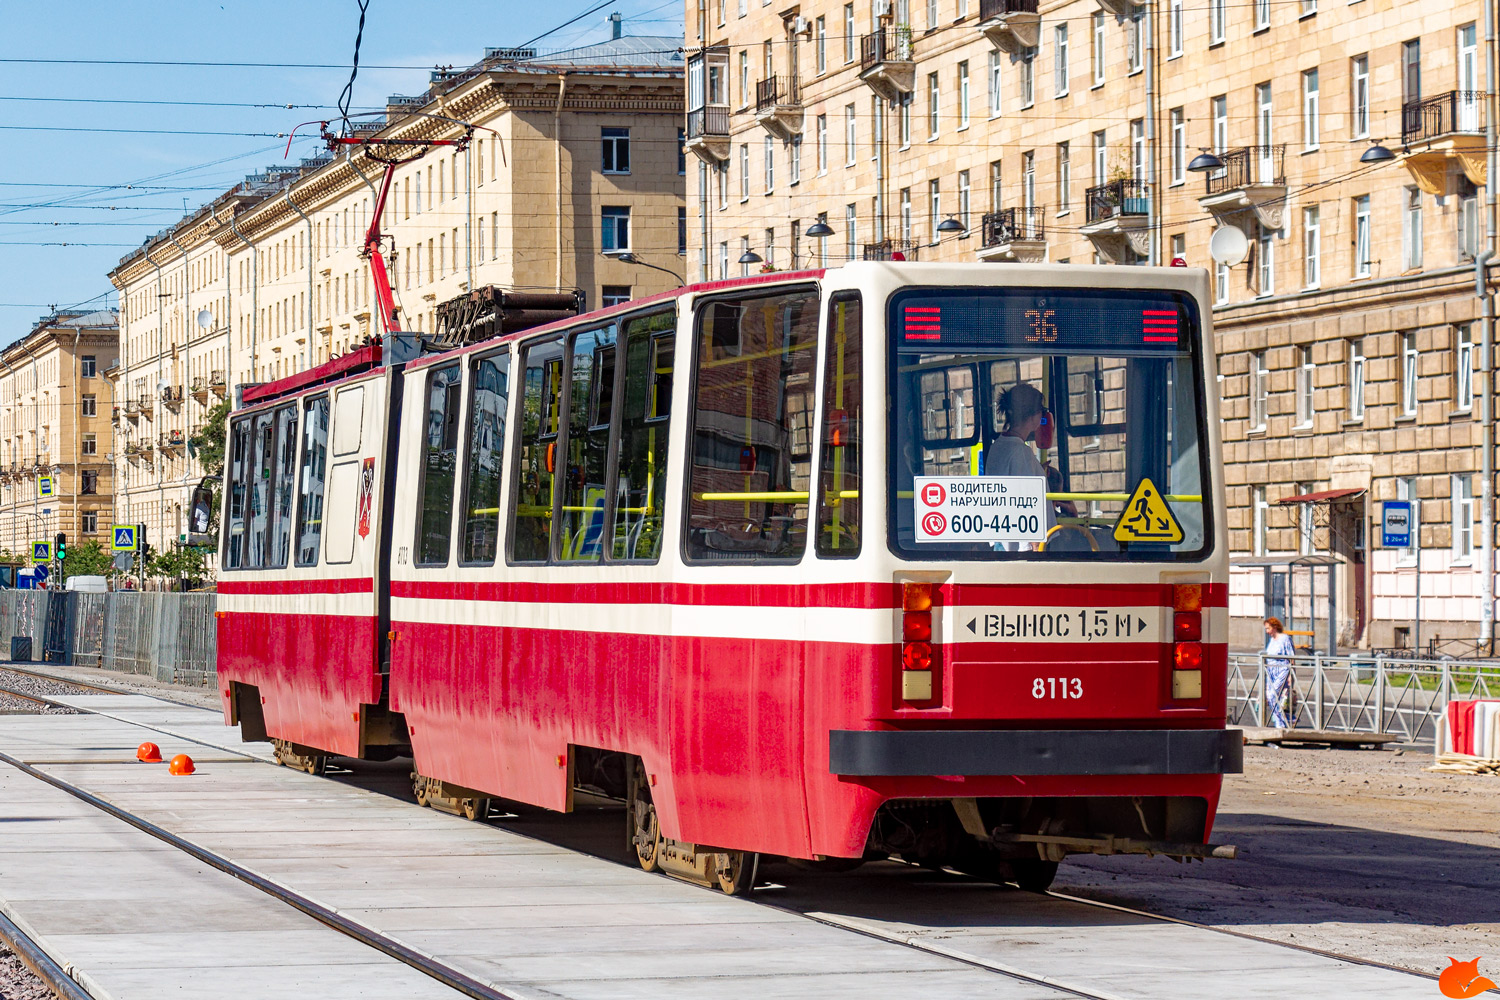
pixel 1147 518
pixel 980 508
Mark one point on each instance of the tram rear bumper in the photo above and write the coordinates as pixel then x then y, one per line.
pixel 1000 752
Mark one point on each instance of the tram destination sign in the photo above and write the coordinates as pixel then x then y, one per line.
pixel 980 508
pixel 1053 320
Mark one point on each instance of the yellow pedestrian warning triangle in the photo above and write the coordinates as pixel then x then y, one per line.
pixel 1147 518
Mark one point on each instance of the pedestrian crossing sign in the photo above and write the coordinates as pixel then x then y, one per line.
pixel 124 538
pixel 1147 518
pixel 41 552
pixel 44 486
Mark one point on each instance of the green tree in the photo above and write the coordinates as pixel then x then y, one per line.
pixel 208 445
pixel 184 562
pixel 88 559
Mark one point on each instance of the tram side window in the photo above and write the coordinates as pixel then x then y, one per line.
pixel 489 391
pixel 238 493
pixel 440 456
pixel 843 387
pixel 751 435
pixel 314 474
pixel 536 452
pixel 284 489
pixel 590 407
pixel 641 483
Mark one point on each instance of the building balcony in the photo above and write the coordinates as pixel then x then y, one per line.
pixel 778 106
pixel 708 133
pixel 170 440
pixel 892 250
pixel 1014 234
pixel 114 414
pixel 1252 180
pixel 1122 8
pixel 1012 26
pixel 886 64
pixel 200 388
pixel 132 408
pixel 1439 132
pixel 1118 220
pixel 217 383
pixel 172 396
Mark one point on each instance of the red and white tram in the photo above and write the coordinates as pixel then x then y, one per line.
pixel 890 559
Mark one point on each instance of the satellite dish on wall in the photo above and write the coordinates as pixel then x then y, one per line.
pixel 205 319
pixel 1228 245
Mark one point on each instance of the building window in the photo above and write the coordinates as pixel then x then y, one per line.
pixel 1179 247
pixel 1221 283
pixel 1267 262
pixel 934 208
pixel 88 522
pixel 90 404
pixel 1064 179
pixel 1304 386
pixel 1216 21
pixel 1463 518
pixel 904 119
pixel 1179 146
pixel 744 171
pixel 995 194
pixel 849 135
pixel 963 95
pixel 1359 95
pixel 848 33
pixel 851 232
pixel 1099 48
pixel 964 194
pixel 87 365
pixel 1260 380
pixel 90 482
pixel 1305 525
pixel 615 227
pixel 823 242
pixel 721 183
pixel 1469 229
pixel 1463 369
pixel 770 148
pixel 1028 179
pixel 1135 43
pixel 1060 60
pixel 681 230
pixel 1309 7
pixel 906 214
pixel 744 249
pixel 744 78
pixel 995 84
pixel 616 150
pixel 89 444
pixel 1174 29
pixel 820 45
pixel 1408 374
pixel 794 160
pixel 1101 157
pixel 1310 130
pixel 1028 78
pixel 724 260
pixel 1220 108
pixel 1362 236
pixel 1411 228
pixel 1357 379
pixel 1258 521
pixel 822 139
pixel 1312 248
pixel 1262 14
pixel 934 97
pixel 614 295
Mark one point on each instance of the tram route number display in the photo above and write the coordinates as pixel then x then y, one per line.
pixel 980 508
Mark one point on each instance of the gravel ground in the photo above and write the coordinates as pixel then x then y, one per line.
pixel 1361 852
pixel 202 697
pixel 27 684
pixel 17 981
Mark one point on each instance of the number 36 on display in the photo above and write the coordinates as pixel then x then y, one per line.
pixel 1057 687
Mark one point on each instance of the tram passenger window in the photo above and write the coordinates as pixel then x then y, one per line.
pixel 536 452
pixel 262 463
pixel 235 536
pixel 751 438
pixel 439 458
pixel 839 500
pixel 284 488
pixel 488 392
pixel 314 472
pixel 591 402
pixel 641 483
pixel 348 420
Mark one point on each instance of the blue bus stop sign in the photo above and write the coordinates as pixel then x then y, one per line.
pixel 1395 524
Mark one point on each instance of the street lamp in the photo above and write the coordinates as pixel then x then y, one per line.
pixel 1376 154
pixel 750 257
pixel 818 230
pixel 1204 162
pixel 628 257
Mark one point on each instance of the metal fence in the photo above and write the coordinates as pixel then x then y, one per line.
pixel 1360 694
pixel 168 636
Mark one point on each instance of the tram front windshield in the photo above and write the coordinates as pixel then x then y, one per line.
pixel 1037 423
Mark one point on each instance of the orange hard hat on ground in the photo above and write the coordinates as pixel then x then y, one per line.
pixel 181 764
pixel 150 753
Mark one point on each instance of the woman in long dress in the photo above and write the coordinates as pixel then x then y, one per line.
pixel 1279 651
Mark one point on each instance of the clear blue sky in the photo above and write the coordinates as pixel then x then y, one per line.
pixel 63 180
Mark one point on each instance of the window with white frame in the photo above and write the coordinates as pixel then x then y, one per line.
pixel 89 444
pixel 1359 95
pixel 964 194
pixel 1261 510
pixel 877 129
pixel 770 153
pixel 1135 43
pixel 820 45
pixel 1266 262
pixel 1179 146
pixel 1179 246
pixel 1463 518
pixel 1470 232
pixel 1411 228
pixel 1217 19
pixel 1260 381
pixel 1028 179
pixel 848 33
pixel 904 118
pixel 89 521
pixel 1312 247
pixel 934 208
pixel 821 134
pixel 963 95
pixel 721 182
pixel 90 403
pixel 1409 374
pixel 1406 489
pixel 1463 368
pixel 1174 29
pixel 1221 283
pixel 744 78
pixel 1219 107
pixel 1100 48
pixel 1028 78
pixel 723 260
pixel 1310 102
pixel 615 227
pixel 1060 60
pixel 851 229
pixel 1262 14
pixel 794 160
pixel 995 89
pixel 616 150
pixel 1064 178
pixel 849 135
pixel 934 99
pixel 1305 524
pixel 932 15
pixel 1356 356
pixel 1309 7
pixel 906 214
pixel 1362 236
pixel 1101 158
pixel 823 241
pixel 1304 386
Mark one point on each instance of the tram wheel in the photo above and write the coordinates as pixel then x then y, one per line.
pixel 317 764
pixel 475 809
pixel 645 828
pixel 736 872
pixel 1033 874
pixel 419 789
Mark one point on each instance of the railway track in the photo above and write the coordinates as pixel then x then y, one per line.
pixel 465 984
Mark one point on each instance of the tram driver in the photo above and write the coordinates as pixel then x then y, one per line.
pixel 1023 409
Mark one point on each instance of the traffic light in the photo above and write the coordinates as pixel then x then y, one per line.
pixel 60 546
pixel 146 553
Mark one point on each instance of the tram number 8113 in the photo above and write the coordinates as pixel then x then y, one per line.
pixel 1005 524
pixel 1057 687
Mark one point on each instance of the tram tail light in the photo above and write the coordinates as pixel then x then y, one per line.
pixel 1187 626
pixel 918 658
pixel 1187 638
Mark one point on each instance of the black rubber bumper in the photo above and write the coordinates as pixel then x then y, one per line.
pixel 989 752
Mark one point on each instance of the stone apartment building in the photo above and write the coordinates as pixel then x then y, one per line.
pixel 1348 338
pixel 574 154
pixel 55 402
